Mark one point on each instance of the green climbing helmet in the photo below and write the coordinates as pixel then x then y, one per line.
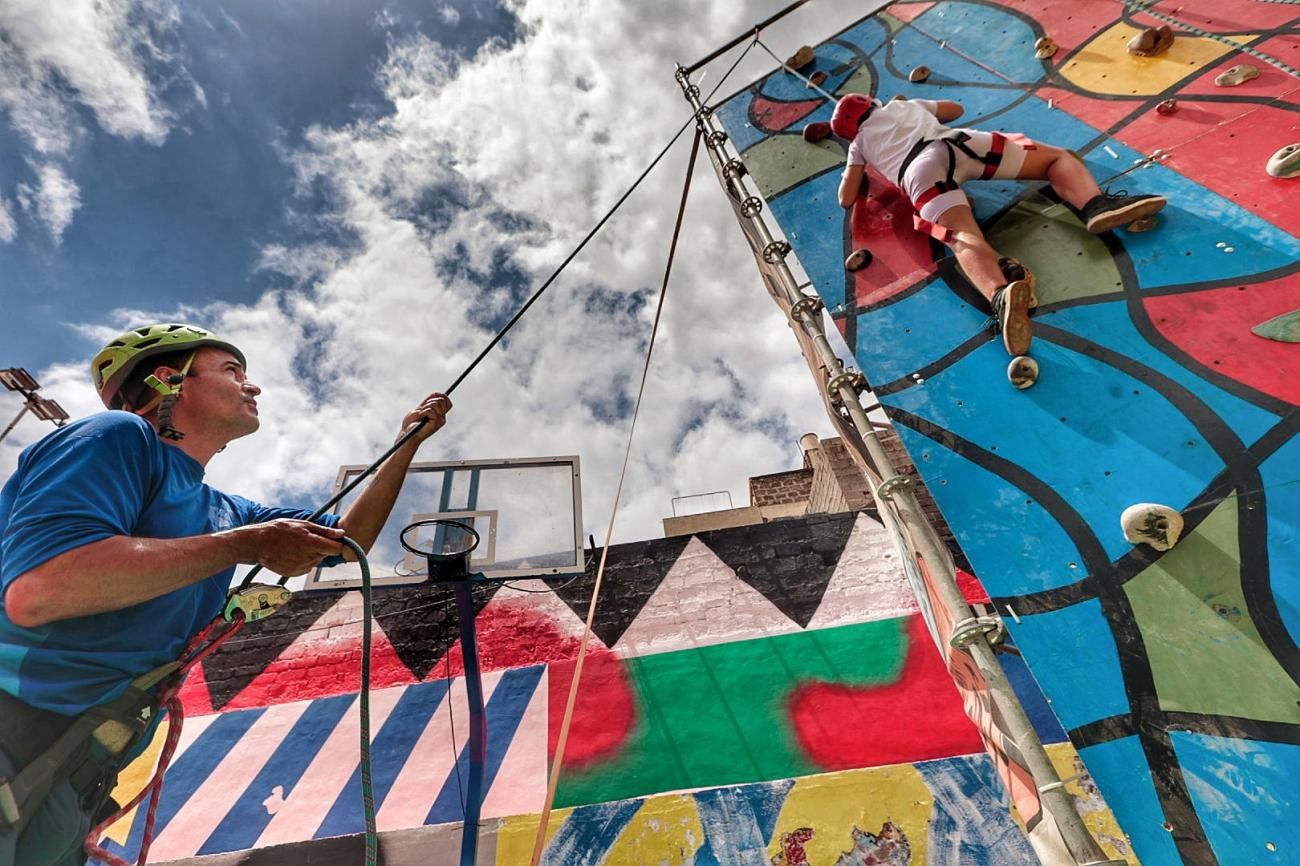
pixel 114 363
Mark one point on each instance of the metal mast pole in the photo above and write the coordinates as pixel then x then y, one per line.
pixel 896 500
pixel 17 418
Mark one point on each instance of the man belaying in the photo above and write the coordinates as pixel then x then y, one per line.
pixel 907 142
pixel 114 553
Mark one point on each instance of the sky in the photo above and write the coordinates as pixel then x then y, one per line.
pixel 359 193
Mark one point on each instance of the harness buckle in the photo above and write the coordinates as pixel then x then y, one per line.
pixel 257 602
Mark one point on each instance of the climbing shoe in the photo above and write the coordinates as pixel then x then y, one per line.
pixel 1107 211
pixel 1013 269
pixel 1011 311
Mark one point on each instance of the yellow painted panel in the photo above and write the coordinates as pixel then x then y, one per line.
pixel 1105 66
pixel 132 779
pixel 666 831
pixel 1097 816
pixel 833 803
pixel 516 835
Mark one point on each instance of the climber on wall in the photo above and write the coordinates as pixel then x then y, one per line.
pixel 908 142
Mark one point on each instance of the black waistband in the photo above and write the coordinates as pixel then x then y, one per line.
pixel 27 732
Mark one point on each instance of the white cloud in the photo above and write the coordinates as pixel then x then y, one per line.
pixel 53 201
pixel 530 159
pixel 450 14
pixel 8 229
pixel 96 54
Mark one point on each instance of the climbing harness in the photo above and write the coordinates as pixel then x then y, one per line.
pixel 167 701
pixel 954 142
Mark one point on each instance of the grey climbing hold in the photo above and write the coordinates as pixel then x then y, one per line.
pixel 1285 163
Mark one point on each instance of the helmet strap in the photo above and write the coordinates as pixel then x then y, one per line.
pixel 165 401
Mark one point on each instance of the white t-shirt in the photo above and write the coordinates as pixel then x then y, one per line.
pixel 889 134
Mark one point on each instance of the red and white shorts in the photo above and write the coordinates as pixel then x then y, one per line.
pixel 932 179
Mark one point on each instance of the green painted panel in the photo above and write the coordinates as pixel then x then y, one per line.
pixel 1206 655
pixel 780 161
pixel 1067 261
pixel 1284 328
pixel 717 715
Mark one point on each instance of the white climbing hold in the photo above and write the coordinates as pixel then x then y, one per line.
pixel 1151 523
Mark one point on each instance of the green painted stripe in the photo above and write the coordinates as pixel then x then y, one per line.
pixel 717 715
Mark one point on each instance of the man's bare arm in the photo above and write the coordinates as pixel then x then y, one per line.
pixel 367 515
pixel 851 185
pixel 948 110
pixel 117 572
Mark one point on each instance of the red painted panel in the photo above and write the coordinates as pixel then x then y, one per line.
pixel 901 256
pixel 1215 145
pixel 1071 24
pixel 1099 113
pixel 770 115
pixel 322 668
pixel 908 11
pixel 1213 327
pixel 915 719
pixel 1272 82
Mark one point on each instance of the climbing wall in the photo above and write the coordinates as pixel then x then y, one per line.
pixel 1175 674
pixel 780 671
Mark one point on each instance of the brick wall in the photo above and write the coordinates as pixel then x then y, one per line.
pixel 780 488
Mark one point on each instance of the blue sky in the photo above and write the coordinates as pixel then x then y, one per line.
pixel 358 193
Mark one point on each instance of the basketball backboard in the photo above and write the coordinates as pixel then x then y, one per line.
pixel 527 513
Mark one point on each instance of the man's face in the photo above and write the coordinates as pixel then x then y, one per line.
pixel 217 398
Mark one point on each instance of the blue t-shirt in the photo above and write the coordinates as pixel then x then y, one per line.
pixel 103 476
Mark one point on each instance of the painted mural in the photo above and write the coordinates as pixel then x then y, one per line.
pixel 809 674
pixel 1175 674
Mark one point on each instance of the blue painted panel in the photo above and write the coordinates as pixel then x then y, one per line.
pixel 814 220
pixel 970 823
pixel 969 27
pixel 1185 247
pixel 1128 791
pixel 588 833
pixel 1110 325
pixel 1091 686
pixel 911 49
pixel 1114 424
pixel 1245 792
pixel 738 822
pixel 1033 118
pixel 1032 698
pixel 1013 544
pixel 901 337
pixel 1282 495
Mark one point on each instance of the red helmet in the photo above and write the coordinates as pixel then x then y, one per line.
pixel 850 111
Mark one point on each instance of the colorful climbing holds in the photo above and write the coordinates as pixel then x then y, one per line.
pixel 1044 48
pixel 801 58
pixel 1285 163
pixel 919 74
pixel 1239 74
pixel 858 259
pixel 1167 107
pixel 1151 523
pixel 1151 41
pixel 816 131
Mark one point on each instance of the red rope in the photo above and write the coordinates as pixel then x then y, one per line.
pixel 199 648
